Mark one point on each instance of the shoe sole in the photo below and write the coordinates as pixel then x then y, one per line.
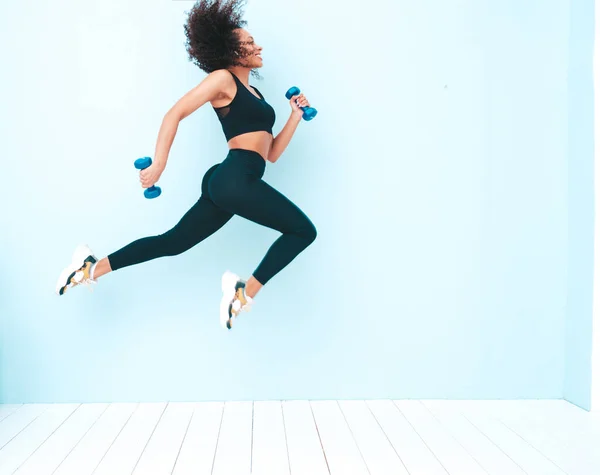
pixel 228 287
pixel 81 256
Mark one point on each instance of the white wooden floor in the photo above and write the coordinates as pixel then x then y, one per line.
pixel 547 437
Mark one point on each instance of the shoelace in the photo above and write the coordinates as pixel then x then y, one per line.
pixel 237 306
pixel 87 282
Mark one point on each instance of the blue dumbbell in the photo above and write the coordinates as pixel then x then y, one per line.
pixel 309 112
pixel 140 164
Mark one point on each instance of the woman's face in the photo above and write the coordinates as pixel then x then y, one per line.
pixel 253 58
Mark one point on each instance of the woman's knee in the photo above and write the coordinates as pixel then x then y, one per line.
pixel 308 232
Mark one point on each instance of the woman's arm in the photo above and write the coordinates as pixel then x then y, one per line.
pixel 211 87
pixel 284 137
pixel 282 140
pixel 166 135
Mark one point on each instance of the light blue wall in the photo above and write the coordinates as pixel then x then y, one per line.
pixel 578 331
pixel 436 174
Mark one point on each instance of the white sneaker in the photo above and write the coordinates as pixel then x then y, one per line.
pixel 234 299
pixel 78 272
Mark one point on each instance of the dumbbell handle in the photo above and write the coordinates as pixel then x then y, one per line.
pixel 142 164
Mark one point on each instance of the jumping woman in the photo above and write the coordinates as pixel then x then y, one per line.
pixel 219 45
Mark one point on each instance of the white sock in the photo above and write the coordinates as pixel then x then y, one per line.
pixel 248 298
pixel 249 302
pixel 92 269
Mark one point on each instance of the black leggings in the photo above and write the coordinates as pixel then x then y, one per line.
pixel 232 187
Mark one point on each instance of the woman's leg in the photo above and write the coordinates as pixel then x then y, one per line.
pixel 267 206
pixel 200 222
pixel 259 202
pixel 237 186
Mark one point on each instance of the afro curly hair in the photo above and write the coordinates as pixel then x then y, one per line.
pixel 212 43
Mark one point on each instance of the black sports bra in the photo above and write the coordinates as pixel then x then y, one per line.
pixel 245 113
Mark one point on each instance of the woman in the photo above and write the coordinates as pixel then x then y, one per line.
pixel 220 46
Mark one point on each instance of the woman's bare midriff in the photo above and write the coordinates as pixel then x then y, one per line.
pixel 259 142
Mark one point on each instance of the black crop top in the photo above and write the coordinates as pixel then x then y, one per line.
pixel 245 113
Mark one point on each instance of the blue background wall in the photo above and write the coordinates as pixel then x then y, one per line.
pixel 437 174
pixel 578 331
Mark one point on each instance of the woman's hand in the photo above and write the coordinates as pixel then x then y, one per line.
pixel 149 176
pixel 296 102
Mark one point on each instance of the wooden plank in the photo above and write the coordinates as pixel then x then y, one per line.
pixel 489 456
pixel 88 452
pixel 197 452
pixel 126 450
pixel 304 445
pixel 22 446
pixel 342 453
pixel 269 447
pixel 373 443
pixel 161 452
pixel 11 426
pixel 411 448
pixel 528 457
pixel 8 409
pixel 561 441
pixel 455 459
pixel 234 447
pixel 53 451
